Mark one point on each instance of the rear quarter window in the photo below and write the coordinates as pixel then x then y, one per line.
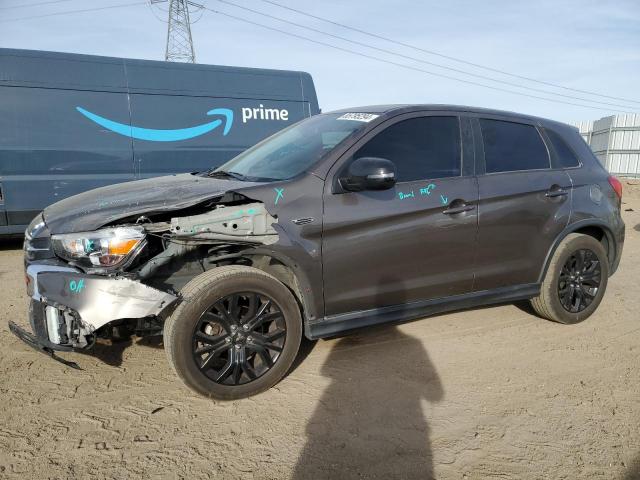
pixel 565 155
pixel 511 147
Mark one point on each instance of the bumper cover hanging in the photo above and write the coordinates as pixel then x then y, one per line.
pixel 40 344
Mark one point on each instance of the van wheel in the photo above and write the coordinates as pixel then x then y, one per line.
pixel 575 281
pixel 235 333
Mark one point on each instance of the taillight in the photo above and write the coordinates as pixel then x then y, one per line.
pixel 617 186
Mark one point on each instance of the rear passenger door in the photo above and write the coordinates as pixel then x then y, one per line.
pixel 415 241
pixel 524 203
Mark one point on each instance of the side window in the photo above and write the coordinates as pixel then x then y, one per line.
pixel 421 148
pixel 566 157
pixel 510 147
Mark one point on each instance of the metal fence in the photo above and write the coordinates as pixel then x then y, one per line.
pixel 615 140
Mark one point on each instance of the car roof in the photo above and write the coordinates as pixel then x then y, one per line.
pixel 394 109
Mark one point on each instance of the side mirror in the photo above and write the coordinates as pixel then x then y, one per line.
pixel 369 173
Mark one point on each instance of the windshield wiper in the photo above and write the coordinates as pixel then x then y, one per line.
pixel 223 173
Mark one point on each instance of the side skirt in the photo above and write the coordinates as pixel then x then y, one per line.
pixel 344 322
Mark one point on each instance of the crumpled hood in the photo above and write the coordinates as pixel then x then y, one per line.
pixel 95 208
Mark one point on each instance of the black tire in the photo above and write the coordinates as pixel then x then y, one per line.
pixel 198 297
pixel 554 289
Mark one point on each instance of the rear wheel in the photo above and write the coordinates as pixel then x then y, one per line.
pixel 235 334
pixel 575 281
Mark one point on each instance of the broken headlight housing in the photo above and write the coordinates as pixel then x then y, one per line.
pixel 100 250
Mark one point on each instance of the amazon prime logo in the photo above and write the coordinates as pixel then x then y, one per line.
pixel 222 116
pixel 155 135
pixel 262 113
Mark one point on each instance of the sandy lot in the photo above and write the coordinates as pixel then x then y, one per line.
pixel 487 393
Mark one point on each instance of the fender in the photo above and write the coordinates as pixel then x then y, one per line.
pixel 588 222
pixel 308 296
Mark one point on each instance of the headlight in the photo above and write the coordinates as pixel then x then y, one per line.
pixel 102 249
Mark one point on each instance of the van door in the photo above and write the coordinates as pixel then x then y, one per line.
pixel 405 244
pixel 52 146
pixel 524 203
pixel 179 134
pixel 3 212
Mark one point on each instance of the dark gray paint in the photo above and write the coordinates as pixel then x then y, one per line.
pixel 95 208
pixel 518 223
pixel 367 237
pixel 380 251
pixel 369 257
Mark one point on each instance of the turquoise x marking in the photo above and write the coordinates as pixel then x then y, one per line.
pixel 279 195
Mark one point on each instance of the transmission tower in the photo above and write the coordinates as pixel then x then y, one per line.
pixel 179 41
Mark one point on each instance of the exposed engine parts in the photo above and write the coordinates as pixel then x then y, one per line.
pixel 181 247
pixel 74 306
pixel 249 223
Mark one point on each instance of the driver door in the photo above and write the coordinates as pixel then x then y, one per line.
pixel 407 243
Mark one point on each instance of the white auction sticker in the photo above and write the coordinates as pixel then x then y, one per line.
pixel 359 117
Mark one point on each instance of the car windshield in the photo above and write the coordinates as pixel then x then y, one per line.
pixel 293 150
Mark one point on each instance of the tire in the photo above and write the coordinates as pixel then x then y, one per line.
pixel 209 296
pixel 549 304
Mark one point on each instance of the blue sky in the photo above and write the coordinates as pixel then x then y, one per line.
pixel 586 44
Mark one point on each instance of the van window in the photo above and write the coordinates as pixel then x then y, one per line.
pixel 566 157
pixel 510 147
pixel 421 148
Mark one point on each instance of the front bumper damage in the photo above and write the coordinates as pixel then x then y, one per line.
pixel 68 306
pixel 39 344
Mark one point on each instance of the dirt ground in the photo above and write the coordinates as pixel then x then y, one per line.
pixel 487 393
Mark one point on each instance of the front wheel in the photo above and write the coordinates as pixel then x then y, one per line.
pixel 575 281
pixel 236 332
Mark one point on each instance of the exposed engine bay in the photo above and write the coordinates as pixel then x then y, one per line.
pixel 181 247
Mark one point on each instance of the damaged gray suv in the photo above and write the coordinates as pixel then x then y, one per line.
pixel 342 221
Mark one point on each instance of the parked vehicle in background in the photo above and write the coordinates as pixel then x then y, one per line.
pixel 70 123
pixel 342 221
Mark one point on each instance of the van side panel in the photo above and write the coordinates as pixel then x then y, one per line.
pixel 251 121
pixel 172 96
pixel 70 123
pixel 32 68
pixel 47 153
pixel 219 80
pixel 309 94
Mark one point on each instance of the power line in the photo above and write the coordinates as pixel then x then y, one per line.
pixel 66 12
pixel 150 4
pixel 34 4
pixel 390 52
pixel 448 57
pixel 401 65
pixel 353 52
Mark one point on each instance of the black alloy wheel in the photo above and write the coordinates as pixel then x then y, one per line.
pixel 239 338
pixel 579 280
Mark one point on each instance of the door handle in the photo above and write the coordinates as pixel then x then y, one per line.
pixel 560 192
pixel 460 209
